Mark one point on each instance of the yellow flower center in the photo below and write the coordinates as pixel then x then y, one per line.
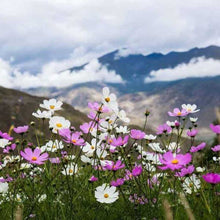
pixel 52 106
pixel 107 99
pixel 100 109
pixel 110 121
pixel 179 113
pixel 74 141
pixel 189 109
pixel 101 158
pixel 34 158
pixel 175 161
pixel 106 195
pixel 110 141
pixel 130 175
pixel 59 125
pixel 190 185
pixel 70 171
pixel 92 147
pixel 54 146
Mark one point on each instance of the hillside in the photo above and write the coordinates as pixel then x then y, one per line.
pixel 16 108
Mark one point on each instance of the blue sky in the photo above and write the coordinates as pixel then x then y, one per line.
pixel 47 36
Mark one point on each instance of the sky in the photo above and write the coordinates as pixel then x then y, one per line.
pixel 40 38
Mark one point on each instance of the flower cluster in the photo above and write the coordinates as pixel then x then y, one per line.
pixel 107 161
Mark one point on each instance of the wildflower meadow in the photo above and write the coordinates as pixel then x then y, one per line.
pixel 108 169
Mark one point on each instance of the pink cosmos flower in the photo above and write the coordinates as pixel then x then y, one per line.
pixel 216 148
pixel 137 170
pixel 21 129
pixel 140 200
pixel 87 127
pixel 215 128
pixel 115 166
pixel 118 182
pixel 128 175
pixel 119 141
pixel 94 116
pixel 74 138
pixel 100 167
pixel 65 133
pixel 174 162
pixel 6 136
pixel 192 133
pixel 4 180
pixel 137 134
pixel 35 156
pixel 198 148
pixel 97 107
pixel 213 178
pixel 185 171
pixel 8 149
pixel 93 179
pixel 54 160
pixel 177 112
pixel 163 129
pixel 153 181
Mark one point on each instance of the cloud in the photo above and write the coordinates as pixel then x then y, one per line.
pixel 11 77
pixel 43 31
pixel 197 67
pixel 124 52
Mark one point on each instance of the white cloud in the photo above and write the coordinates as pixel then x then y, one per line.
pixel 124 52
pixel 42 31
pixel 197 67
pixel 49 77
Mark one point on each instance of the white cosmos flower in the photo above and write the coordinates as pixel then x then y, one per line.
pixel 36 171
pixel 98 135
pixel 150 137
pixel 173 146
pixel 151 157
pixel 42 114
pixel 70 157
pixel 200 169
pixel 3 187
pixel 25 166
pixel 57 123
pixel 109 123
pixel 3 142
pixel 101 154
pixel 70 169
pixel 85 159
pixel 191 184
pixel 216 159
pixel 149 167
pixel 193 119
pixel 172 123
pixel 52 146
pixel 190 108
pixel 123 117
pixel 122 129
pixel 109 99
pixel 156 147
pixel 88 149
pixel 42 198
pixel 106 194
pixel 51 105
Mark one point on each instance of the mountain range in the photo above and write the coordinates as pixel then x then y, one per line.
pixel 135 96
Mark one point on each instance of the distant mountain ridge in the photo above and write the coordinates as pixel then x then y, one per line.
pixel 134 68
